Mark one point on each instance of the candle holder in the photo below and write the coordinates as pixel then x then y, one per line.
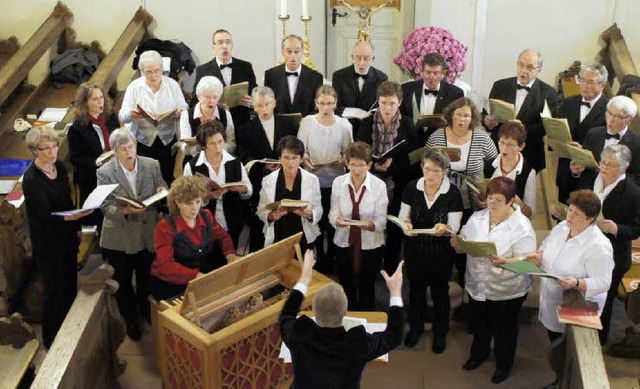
pixel 306 47
pixel 284 20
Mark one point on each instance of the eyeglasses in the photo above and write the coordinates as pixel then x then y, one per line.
pixel 462 115
pixel 528 67
pixel 353 165
pixel 590 82
pixel 125 148
pixel 505 144
pixel 325 103
pixel 222 42
pixel 431 170
pixel 48 148
pixel 365 58
pixel 152 72
pixel 576 213
pixel 609 164
pixel 617 115
pixel 290 159
pixel 495 202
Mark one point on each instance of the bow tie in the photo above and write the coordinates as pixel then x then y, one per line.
pixel 229 65
pixel 586 103
pixel 294 74
pixel 518 86
pixel 430 92
pixel 358 75
pixel 609 136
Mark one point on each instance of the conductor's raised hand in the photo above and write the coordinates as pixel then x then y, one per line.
pixel 394 283
pixel 307 267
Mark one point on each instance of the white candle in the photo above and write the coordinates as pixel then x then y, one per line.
pixel 305 9
pixel 283 8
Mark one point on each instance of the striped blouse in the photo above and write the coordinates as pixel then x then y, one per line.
pixel 481 150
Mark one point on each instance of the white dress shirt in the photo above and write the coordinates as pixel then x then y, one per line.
pixel 603 191
pixel 514 237
pixel 521 94
pixel 587 256
pixel 293 81
pixel 269 127
pixel 100 136
pixel 428 102
pixel 453 218
pixel 325 144
pixel 220 178
pixel 168 98
pixel 310 191
pixel 584 110
pixel 131 177
pixel 530 187
pixel 614 141
pixel 226 72
pixel 186 130
pixel 373 206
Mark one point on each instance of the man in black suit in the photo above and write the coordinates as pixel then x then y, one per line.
pixel 356 84
pixel 229 70
pixel 621 111
pixel 430 95
pixel 293 83
pixel 528 94
pixel 324 354
pixel 257 139
pixel 583 112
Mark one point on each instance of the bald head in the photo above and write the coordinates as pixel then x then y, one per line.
pixel 528 66
pixel 362 56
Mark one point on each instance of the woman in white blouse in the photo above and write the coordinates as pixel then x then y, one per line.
pixel 156 95
pixel 325 137
pixel 292 183
pixel 209 91
pixel 221 167
pixel 510 163
pixel 359 195
pixel 496 294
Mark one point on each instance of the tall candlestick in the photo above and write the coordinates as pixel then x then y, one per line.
pixel 306 47
pixel 305 9
pixel 283 8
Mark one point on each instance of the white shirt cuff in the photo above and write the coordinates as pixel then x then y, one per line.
pixel 302 288
pixel 396 301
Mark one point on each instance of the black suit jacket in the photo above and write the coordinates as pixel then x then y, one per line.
pixel 529 115
pixel 241 71
pixel 349 95
pixel 413 91
pixel 333 357
pixel 570 109
pixel 303 101
pixel 84 148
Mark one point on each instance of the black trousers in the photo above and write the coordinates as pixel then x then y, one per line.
pixel 359 288
pixel 162 154
pixel 60 275
pixel 497 320
pixel 433 270
pixel 125 265
pixel 162 290
pixel 326 259
pixel 605 318
pixel 460 260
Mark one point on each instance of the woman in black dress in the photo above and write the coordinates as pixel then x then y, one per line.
pixel 430 202
pixel 89 138
pixel 54 239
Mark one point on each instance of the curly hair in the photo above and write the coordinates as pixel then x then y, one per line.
pixel 82 97
pixel 183 189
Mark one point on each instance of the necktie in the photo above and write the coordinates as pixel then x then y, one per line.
pixel 518 86
pixel 430 92
pixel 609 136
pixel 294 74
pixel 586 103
pixel 358 75
pixel 355 233
pixel 229 65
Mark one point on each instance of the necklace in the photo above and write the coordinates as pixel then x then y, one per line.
pixel 459 137
pixel 49 173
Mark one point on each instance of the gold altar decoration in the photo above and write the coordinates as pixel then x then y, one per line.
pixel 365 9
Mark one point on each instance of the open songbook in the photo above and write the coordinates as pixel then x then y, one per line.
pixel 323 164
pixel 501 110
pixel 557 128
pixel 429 120
pixel 93 201
pixel 355 113
pixel 579 155
pixel 232 94
pixel 212 185
pixel 250 164
pixel 156 120
pixel 354 223
pixel 104 158
pixel 525 267
pixel 124 201
pixel 389 153
pixel 476 248
pixel 478 186
pixel 454 153
pixel 563 208
pixel 287 203
pixel 405 228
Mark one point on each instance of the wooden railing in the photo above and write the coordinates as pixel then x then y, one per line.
pixel 584 365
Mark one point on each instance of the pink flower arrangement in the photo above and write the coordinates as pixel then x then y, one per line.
pixel 424 40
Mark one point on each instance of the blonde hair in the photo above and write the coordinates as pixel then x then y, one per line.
pixel 184 189
pixel 39 134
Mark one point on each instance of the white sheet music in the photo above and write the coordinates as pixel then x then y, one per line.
pixel 94 201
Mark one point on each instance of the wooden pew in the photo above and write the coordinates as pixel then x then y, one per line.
pixel 616 57
pixel 83 354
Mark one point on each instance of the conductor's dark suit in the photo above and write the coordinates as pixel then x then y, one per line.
pixel 241 71
pixel 333 357
pixel 345 83
pixel 412 93
pixel 303 100
pixel 570 109
pixel 529 115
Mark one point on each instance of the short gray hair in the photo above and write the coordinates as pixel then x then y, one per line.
pixel 359 43
pixel 330 305
pixel 149 56
pixel 439 157
pixel 262 91
pixel 209 83
pixel 625 104
pixel 599 69
pixel 120 136
pixel 621 153
pixel 290 36
pixel 39 134
pixel 536 52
